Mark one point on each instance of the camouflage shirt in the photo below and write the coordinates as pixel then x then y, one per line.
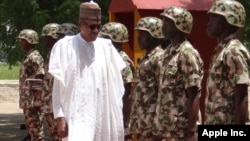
pixel 47 89
pixel 31 66
pixel 145 93
pixel 128 71
pixel 228 68
pixel 182 67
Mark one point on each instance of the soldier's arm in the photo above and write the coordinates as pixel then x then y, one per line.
pixel 193 108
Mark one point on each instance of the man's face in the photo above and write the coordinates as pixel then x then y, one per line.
pixel 169 29
pixel 60 35
pixel 23 43
pixel 143 39
pixel 215 25
pixel 115 44
pixel 49 41
pixel 89 29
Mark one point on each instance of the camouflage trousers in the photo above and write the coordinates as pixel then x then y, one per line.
pixel 51 122
pixel 34 119
pixel 33 122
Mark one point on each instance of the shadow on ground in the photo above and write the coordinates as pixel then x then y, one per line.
pixel 10 127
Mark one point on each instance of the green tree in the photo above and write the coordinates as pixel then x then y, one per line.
pixel 246 30
pixel 16 15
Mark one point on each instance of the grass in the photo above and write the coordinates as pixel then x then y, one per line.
pixel 9 74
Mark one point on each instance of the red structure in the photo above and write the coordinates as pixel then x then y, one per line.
pixel 129 12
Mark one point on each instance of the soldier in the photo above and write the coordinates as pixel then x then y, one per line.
pixel 67 29
pixel 227 82
pixel 118 34
pixel 180 80
pixel 146 78
pixel 32 69
pixel 50 38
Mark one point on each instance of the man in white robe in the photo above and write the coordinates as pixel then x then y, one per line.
pixel 88 87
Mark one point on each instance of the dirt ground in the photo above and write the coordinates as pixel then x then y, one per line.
pixel 10 115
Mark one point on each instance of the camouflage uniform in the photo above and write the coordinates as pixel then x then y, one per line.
pixel 128 71
pixel 146 82
pixel 46 106
pixel 145 93
pixel 31 66
pixel 181 68
pixel 51 30
pixel 117 32
pixel 68 29
pixel 228 67
pixel 47 111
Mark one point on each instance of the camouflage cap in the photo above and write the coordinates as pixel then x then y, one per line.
pixel 152 25
pixel 182 18
pixel 68 29
pixel 29 35
pixel 116 31
pixel 50 30
pixel 233 11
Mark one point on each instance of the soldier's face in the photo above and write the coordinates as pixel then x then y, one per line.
pixel 60 35
pixel 23 44
pixel 49 41
pixel 215 25
pixel 143 37
pixel 117 45
pixel 169 29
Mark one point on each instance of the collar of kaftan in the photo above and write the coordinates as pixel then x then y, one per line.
pixel 83 41
pixel 88 47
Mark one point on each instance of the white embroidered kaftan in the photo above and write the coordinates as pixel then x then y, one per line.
pixel 88 88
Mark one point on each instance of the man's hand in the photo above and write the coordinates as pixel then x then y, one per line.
pixel 62 127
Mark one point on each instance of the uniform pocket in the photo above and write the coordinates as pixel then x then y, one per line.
pixel 170 75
